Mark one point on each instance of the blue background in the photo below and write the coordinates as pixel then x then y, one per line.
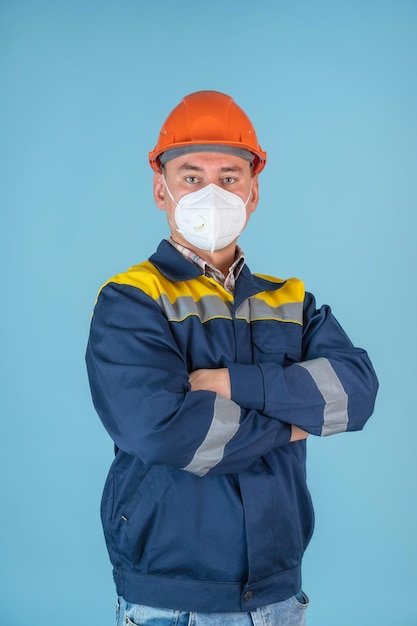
pixel 331 88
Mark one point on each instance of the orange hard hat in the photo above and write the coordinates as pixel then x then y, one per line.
pixel 208 119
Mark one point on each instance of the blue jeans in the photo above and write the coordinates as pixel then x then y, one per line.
pixel 290 612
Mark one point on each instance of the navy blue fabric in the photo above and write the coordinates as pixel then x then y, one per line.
pixel 201 543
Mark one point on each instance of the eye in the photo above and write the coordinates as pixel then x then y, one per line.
pixel 229 180
pixel 191 179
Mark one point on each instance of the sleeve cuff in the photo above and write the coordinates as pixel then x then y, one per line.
pixel 247 385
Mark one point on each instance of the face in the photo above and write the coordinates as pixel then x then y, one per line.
pixel 192 172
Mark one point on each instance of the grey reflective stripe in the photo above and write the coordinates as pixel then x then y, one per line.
pixel 335 414
pixel 256 309
pixel 225 423
pixel 206 308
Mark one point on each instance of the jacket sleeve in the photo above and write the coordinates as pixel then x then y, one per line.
pixel 331 390
pixel 140 389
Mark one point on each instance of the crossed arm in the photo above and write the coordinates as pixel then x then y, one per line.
pixel 244 410
pixel 218 380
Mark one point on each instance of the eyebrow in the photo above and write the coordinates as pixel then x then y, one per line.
pixel 195 168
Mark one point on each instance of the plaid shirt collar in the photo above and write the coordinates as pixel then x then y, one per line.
pixel 229 281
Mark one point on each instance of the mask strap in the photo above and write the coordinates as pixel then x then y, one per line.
pixel 250 193
pixel 168 190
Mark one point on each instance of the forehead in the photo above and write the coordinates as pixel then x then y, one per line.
pixel 208 162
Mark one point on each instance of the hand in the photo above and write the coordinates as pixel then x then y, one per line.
pixel 297 434
pixel 217 380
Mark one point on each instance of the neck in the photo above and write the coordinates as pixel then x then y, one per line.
pixel 220 259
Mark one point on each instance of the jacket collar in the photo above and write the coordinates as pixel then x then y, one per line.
pixel 174 266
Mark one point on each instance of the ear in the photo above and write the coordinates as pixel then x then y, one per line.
pixel 253 202
pixel 159 191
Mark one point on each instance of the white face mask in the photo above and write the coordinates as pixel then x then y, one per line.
pixel 211 217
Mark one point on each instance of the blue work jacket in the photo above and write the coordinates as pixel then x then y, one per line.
pixel 206 506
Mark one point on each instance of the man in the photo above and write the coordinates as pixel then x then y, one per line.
pixel 209 379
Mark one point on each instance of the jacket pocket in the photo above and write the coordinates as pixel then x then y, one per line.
pixel 276 342
pixel 132 496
